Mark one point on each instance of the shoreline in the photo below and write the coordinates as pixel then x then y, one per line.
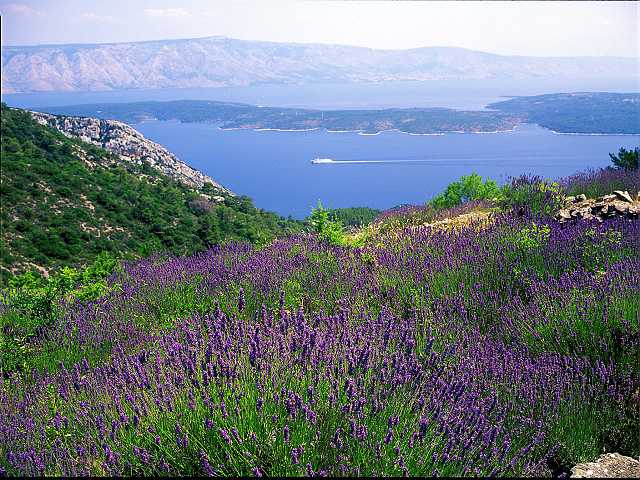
pixel 594 134
pixel 435 134
pixel 362 132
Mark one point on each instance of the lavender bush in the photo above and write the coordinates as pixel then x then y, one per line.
pixel 424 352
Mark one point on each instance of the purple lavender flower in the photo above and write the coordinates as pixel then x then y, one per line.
pixel 241 302
pixel 296 453
pixel 225 436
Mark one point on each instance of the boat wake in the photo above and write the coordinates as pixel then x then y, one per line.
pixel 528 161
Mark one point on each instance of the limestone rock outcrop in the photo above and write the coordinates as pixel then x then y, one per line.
pixel 130 145
pixel 618 204
pixel 609 465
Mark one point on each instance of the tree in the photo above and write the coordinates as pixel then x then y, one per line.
pixel 626 159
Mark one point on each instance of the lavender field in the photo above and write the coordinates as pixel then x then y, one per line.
pixel 507 346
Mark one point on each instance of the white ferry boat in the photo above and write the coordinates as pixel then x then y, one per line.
pixel 322 160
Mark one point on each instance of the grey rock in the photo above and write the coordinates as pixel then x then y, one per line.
pixel 620 207
pixel 624 196
pixel 128 144
pixel 609 465
pixel 608 206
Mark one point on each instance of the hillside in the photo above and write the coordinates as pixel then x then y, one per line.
pixel 130 146
pixel 220 61
pixel 579 112
pixel 505 344
pixel 65 200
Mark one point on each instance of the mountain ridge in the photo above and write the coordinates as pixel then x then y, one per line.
pixel 222 61
pixel 224 37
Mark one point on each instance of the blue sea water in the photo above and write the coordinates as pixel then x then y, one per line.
pixel 274 167
pixel 457 94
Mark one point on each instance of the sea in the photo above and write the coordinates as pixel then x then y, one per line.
pixel 380 171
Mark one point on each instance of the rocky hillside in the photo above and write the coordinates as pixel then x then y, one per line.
pixel 220 61
pixel 66 200
pixel 130 145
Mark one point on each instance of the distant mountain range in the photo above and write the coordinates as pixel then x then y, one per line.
pixel 220 61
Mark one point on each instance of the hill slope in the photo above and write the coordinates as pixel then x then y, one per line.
pixel 130 145
pixel 65 200
pixel 219 61
pixel 578 112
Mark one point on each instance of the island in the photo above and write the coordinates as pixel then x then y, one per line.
pixel 579 112
pixel 604 113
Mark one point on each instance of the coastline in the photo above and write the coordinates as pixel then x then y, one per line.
pixel 361 132
pixel 435 134
pixel 594 134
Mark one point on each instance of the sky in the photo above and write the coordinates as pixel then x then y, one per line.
pixel 509 28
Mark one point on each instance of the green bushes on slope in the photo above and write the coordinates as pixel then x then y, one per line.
pixel 469 187
pixel 64 201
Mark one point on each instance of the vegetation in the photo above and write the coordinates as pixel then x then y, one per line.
pixel 65 201
pixel 424 348
pixel 35 302
pixel 355 216
pixel 481 351
pixel 594 112
pixel 469 187
pixel 626 159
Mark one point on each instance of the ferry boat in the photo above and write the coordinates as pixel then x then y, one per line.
pixel 322 160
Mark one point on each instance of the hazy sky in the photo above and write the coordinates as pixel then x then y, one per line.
pixel 520 28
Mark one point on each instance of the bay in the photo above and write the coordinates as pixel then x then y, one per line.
pixel 274 167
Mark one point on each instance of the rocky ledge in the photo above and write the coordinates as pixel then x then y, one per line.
pixel 130 145
pixel 609 465
pixel 618 204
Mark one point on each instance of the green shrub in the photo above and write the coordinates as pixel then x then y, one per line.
pixel 354 217
pixel 327 228
pixel 600 248
pixel 469 187
pixel 534 237
pixel 538 196
pixel 34 302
